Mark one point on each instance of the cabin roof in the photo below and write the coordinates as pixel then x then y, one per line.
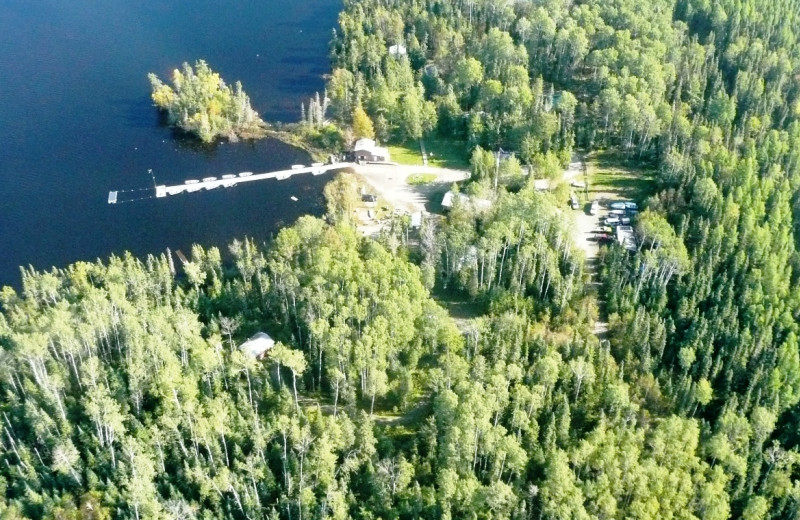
pixel 257 345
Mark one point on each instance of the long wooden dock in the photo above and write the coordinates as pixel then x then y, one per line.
pixel 228 181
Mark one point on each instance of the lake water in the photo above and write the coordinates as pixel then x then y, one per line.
pixel 77 121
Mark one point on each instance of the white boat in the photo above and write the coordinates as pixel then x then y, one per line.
pixel 293 198
pixel 245 174
pixel 229 176
pixel 209 179
pixel 298 166
pixel 192 181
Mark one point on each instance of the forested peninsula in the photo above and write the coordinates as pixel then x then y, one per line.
pixel 456 371
pixel 200 103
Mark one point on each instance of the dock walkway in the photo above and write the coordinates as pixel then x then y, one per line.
pixel 227 181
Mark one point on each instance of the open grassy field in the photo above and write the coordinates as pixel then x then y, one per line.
pixel 612 177
pixel 442 153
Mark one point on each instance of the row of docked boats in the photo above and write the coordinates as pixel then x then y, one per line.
pixel 229 177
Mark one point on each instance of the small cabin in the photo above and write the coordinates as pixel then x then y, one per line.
pixel 367 151
pixel 257 346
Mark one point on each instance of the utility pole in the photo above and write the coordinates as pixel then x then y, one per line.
pixel 496 170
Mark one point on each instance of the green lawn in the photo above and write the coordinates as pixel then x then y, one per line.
pixel 613 177
pixel 443 153
pixel 405 154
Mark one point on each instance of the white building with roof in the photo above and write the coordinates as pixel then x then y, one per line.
pixel 368 151
pixel 258 345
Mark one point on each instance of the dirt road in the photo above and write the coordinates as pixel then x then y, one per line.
pixel 390 181
pixel 585 235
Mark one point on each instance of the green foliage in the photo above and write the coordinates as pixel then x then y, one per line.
pixel 123 392
pixel 418 179
pixel 362 124
pixel 200 103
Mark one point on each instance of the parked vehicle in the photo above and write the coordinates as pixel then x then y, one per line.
pixel 594 208
pixel 617 205
pixel 631 205
pixel 612 220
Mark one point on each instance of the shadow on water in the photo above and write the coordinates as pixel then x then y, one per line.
pixel 138 112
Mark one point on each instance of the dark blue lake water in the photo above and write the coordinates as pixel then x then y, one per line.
pixel 77 121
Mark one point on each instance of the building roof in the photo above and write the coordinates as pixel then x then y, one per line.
pixel 397 50
pixel 364 144
pixel 448 199
pixel 257 345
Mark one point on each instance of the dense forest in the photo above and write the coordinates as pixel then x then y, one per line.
pixel 199 102
pixel 125 395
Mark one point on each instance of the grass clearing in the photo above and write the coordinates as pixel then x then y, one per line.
pixel 418 179
pixel 442 153
pixel 613 177
pixel 407 153
pixel 446 153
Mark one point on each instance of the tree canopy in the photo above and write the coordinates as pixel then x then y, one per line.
pixel 199 102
